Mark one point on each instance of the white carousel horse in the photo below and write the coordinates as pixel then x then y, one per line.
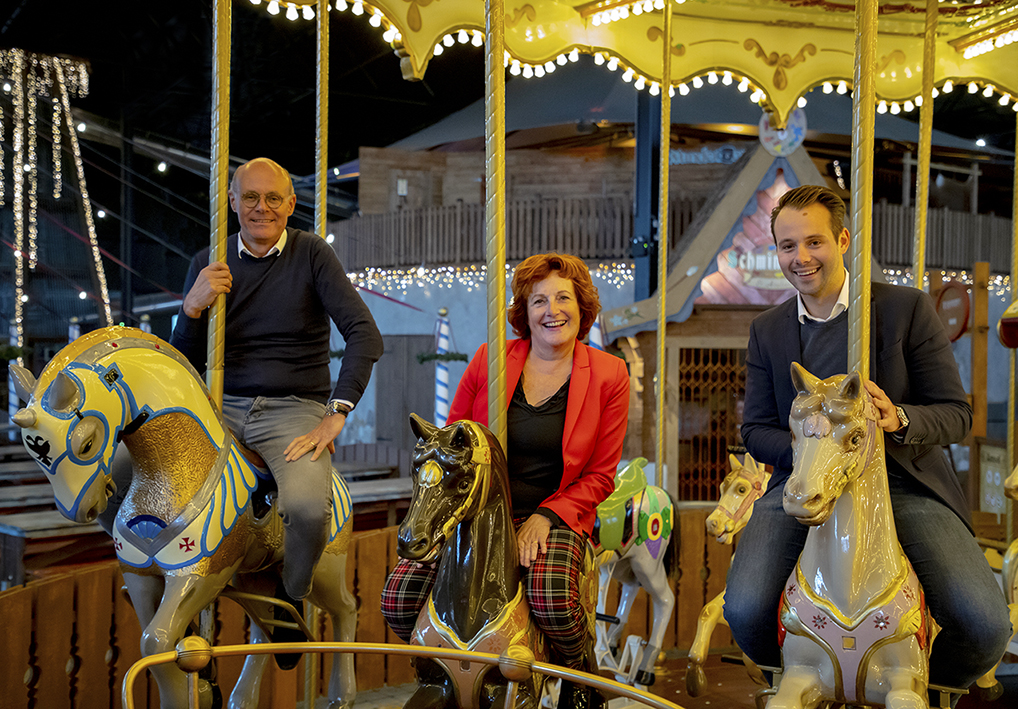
pixel 742 487
pixel 636 543
pixel 187 526
pixel 853 623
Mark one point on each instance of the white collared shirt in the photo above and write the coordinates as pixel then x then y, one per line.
pixel 276 248
pixel 839 307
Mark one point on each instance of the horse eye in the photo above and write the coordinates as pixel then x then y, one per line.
pixel 742 489
pixel 464 485
pixel 86 448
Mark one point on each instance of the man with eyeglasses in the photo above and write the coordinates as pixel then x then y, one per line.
pixel 282 286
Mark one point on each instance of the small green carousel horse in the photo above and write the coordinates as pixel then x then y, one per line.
pixel 636 543
pixel 188 526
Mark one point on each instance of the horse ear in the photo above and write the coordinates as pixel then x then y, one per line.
pixel 803 381
pixel 750 462
pixel 733 462
pixel 22 380
pixel 851 386
pixel 421 428
pixel 63 393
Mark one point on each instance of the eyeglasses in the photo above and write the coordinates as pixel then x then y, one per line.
pixel 273 200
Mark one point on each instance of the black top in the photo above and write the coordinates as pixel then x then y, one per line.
pixel 534 443
pixel 277 323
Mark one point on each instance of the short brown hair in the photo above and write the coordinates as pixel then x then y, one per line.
pixel 536 269
pixel 804 196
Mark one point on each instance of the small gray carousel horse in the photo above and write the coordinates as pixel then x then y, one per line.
pixel 636 543
pixel 854 626
pixel 460 515
pixel 187 526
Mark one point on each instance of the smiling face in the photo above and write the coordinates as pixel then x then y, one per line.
pixel 261 225
pixel 810 255
pixel 553 313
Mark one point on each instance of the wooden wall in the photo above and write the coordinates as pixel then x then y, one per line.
pixel 436 179
pixel 69 639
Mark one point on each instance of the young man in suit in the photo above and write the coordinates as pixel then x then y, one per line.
pixel 922 406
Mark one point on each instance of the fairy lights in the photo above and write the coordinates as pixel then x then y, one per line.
pixel 36 83
pixel 403 281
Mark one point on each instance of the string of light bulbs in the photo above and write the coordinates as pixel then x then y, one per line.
pixel 28 77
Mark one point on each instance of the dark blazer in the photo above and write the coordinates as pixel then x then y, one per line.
pixel 597 413
pixel 910 359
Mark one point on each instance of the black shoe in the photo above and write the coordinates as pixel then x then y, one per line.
pixel 286 661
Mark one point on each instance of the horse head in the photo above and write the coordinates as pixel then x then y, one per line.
pixel 834 439
pixel 70 426
pixel 1011 484
pixel 452 476
pixel 742 487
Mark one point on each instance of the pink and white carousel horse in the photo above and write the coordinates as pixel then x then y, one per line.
pixel 188 526
pixel 745 483
pixel 636 543
pixel 854 626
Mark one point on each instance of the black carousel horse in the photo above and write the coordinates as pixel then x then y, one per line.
pixel 460 515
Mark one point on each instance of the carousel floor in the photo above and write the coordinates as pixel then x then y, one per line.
pixel 729 688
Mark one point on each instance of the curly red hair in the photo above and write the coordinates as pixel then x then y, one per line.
pixel 536 269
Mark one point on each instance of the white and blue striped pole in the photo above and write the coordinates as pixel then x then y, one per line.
pixel 442 370
pixel 596 336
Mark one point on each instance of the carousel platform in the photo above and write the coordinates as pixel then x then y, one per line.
pixel 730 688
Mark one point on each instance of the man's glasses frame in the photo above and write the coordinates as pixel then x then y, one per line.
pixel 273 200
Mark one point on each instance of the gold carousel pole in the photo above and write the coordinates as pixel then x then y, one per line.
pixel 494 211
pixel 922 190
pixel 312 614
pixel 662 239
pixel 1011 353
pixel 217 189
pixel 863 119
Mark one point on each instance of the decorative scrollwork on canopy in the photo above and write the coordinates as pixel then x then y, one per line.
pixel 781 62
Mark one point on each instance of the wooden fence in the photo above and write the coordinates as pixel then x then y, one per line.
pixel 593 228
pixel 69 639
pixel 602 229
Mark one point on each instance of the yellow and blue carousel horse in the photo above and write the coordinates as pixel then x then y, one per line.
pixel 189 523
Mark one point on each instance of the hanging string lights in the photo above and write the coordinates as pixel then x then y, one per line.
pixel 37 82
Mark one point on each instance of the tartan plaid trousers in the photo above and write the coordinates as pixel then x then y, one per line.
pixel 551 584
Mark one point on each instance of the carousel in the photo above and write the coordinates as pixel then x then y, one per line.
pixel 204 637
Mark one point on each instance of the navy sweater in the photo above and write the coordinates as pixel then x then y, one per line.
pixel 277 323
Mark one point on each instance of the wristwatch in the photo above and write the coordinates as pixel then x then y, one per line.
pixel 899 435
pixel 337 406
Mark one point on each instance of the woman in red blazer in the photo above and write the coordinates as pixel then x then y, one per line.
pixel 567 415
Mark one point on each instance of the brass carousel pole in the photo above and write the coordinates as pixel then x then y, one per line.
pixel 1011 353
pixel 494 211
pixel 219 179
pixel 662 240
pixel 922 190
pixel 312 614
pixel 863 120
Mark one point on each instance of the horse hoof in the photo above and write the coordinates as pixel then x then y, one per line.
pixel 696 679
pixel 990 694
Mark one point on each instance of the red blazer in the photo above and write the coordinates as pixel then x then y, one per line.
pixel 597 413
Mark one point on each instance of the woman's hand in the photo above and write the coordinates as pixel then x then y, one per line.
pixel 532 538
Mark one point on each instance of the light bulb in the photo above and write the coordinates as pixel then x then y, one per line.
pixel 712 78
pixel 828 88
pixel 308 12
pixel 291 12
pixel 574 55
pixel 727 78
pixel 462 37
pixel 948 86
pixel 376 19
pixel 683 90
pixel 273 8
pixel 842 88
pixel 448 40
pixel 697 82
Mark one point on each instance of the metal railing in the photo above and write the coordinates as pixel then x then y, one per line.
pixel 193 654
